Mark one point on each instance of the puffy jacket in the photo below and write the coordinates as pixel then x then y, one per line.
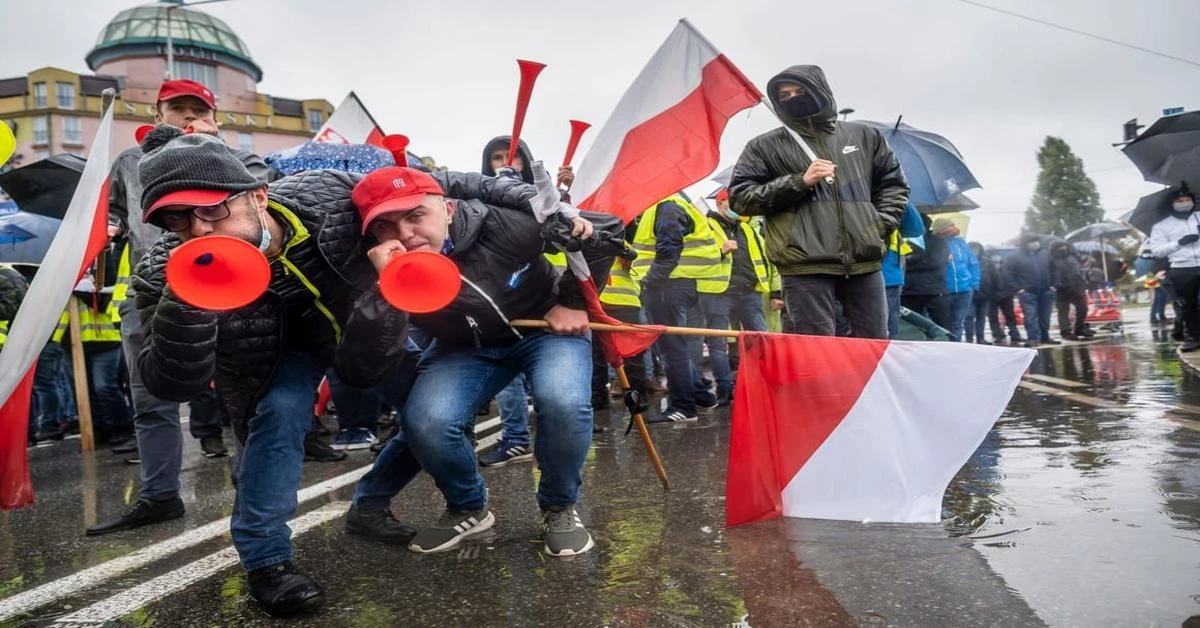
pixel 831 230
pixel 186 348
pixel 997 285
pixel 1029 272
pixel 503 141
pixel 962 267
pixel 911 226
pixel 497 244
pixel 12 292
pixel 1066 271
pixel 926 273
pixel 125 192
pixel 1164 240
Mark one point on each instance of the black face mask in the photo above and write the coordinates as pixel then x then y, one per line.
pixel 800 106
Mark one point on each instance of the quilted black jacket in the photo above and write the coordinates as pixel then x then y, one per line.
pixel 12 292
pixel 185 348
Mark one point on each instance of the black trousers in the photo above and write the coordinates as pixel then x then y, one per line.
pixel 1186 282
pixel 634 367
pixel 1065 301
pixel 935 308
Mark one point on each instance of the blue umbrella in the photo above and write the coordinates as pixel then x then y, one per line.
pixel 933 166
pixel 30 250
pixel 356 158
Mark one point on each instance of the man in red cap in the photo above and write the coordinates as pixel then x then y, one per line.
pixel 322 308
pixel 487 228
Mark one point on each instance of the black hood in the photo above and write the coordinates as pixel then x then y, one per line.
pixel 812 79
pixel 503 141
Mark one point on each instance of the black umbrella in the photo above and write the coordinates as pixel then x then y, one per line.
pixel 1169 151
pixel 1151 209
pixel 45 187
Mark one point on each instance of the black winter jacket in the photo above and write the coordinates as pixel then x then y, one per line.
pixel 1030 273
pixel 1066 272
pixel 829 230
pixel 926 271
pixel 186 348
pixel 12 292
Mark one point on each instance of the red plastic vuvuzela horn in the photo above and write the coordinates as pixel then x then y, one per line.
pixel 529 73
pixel 397 145
pixel 420 282
pixel 578 128
pixel 142 131
pixel 218 272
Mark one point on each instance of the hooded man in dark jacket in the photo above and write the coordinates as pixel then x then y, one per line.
pixel 1070 290
pixel 1029 269
pixel 322 308
pixel 487 227
pixel 827 240
pixel 925 278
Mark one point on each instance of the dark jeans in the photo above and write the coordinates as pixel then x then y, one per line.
pixel 960 307
pixel 977 319
pixel 452 382
pixel 1003 306
pixel 206 415
pixel 1066 300
pixel 356 407
pixel 1037 307
pixel 1186 282
pixel 720 312
pixel 47 395
pixel 893 303
pixel 110 408
pixel 668 304
pixel 934 307
pixel 635 367
pixel 809 302
pixel 1158 307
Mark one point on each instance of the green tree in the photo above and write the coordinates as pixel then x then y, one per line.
pixel 1065 198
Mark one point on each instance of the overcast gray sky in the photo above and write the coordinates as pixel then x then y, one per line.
pixel 444 73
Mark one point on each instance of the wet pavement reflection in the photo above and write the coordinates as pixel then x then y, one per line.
pixel 1081 508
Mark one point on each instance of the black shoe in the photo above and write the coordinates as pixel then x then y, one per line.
pixel 142 512
pixel 317 450
pixel 57 434
pixel 1189 346
pixel 33 441
pixel 379 525
pixel 1029 344
pixel 70 428
pixel 213 447
pixel 707 401
pixel 378 445
pixel 673 415
pixel 1050 342
pixel 1071 337
pixel 1086 333
pixel 725 398
pixel 282 591
pixel 125 445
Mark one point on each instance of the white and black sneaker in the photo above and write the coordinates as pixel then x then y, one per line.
pixel 565 534
pixel 673 415
pixel 505 453
pixel 451 529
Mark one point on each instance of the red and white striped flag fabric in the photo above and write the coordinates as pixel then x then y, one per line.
pixel 350 123
pixel 859 430
pixel 80 237
pixel 665 133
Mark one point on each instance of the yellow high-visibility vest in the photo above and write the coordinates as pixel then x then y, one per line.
pixel 93 326
pixel 4 324
pixel 701 255
pixel 755 250
pixel 623 288
pixel 559 260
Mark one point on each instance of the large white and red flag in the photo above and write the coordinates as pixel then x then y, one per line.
pixel 860 430
pixel 350 123
pixel 80 237
pixel 665 133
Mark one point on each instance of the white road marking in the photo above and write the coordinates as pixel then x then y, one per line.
pixel 1055 380
pixel 38 597
pixel 158 588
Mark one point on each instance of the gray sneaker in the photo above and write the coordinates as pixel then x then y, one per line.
pixel 451 529
pixel 565 534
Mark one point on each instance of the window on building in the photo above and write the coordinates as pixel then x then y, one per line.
pixel 39 96
pixel 314 119
pixel 42 154
pixel 72 131
pixel 66 95
pixel 246 142
pixel 41 131
pixel 199 72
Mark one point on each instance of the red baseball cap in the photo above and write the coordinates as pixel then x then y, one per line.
pixel 190 198
pixel 394 189
pixel 723 194
pixel 184 87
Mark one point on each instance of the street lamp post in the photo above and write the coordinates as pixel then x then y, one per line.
pixel 845 113
pixel 176 4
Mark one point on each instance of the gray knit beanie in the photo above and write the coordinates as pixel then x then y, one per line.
pixel 175 161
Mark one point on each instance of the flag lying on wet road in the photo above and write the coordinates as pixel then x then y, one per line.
pixel 860 430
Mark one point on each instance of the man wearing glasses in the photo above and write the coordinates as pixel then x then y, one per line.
pixel 322 308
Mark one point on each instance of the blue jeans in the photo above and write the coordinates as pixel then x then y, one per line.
pixel 893 305
pixel 668 304
pixel 1037 306
pixel 111 408
pixel 743 310
pixel 66 389
pixel 356 407
pixel 452 382
pixel 47 394
pixel 514 412
pixel 960 306
pixel 1158 308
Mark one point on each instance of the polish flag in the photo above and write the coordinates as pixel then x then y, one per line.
pixel 350 123
pixel 859 430
pixel 665 133
pixel 81 236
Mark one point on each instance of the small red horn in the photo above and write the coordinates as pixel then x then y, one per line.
pixel 218 272
pixel 578 128
pixel 140 133
pixel 529 73
pixel 420 282
pixel 397 145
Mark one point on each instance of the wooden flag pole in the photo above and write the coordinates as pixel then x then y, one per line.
pixel 79 368
pixel 640 422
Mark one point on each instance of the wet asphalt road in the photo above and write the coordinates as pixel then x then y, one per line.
pixel 1082 508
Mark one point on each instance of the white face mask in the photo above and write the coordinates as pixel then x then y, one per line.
pixel 1183 206
pixel 264 240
